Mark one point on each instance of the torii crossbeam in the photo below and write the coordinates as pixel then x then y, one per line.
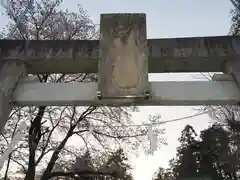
pixel 191 54
pixel 122 57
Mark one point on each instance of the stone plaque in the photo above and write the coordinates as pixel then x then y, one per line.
pixel 123 64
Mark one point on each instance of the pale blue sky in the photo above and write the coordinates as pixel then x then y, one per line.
pixel 165 18
pixel 168 18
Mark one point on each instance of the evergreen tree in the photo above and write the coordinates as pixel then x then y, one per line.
pixel 205 157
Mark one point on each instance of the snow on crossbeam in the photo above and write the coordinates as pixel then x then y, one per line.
pixel 163 93
pixel 193 54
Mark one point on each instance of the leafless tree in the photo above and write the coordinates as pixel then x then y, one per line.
pixel 52 129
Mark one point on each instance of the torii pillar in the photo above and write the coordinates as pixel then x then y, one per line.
pixel 10 74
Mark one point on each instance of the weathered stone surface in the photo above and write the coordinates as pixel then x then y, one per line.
pixel 193 54
pixel 123 65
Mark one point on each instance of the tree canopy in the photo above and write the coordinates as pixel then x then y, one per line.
pixel 208 155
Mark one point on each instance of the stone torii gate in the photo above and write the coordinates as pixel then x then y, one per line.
pixel 122 57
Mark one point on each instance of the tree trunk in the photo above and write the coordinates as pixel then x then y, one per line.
pixel 34 138
pixel 30 175
pixel 47 173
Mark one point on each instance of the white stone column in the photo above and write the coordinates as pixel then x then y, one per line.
pixel 10 74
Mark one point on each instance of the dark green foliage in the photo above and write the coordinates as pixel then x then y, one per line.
pixel 207 156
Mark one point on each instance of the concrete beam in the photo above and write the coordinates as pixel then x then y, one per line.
pixel 194 54
pixel 162 93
